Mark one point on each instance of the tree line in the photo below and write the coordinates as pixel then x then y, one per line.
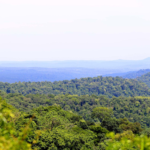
pixel 110 86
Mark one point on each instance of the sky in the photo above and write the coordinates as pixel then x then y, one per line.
pixel 47 30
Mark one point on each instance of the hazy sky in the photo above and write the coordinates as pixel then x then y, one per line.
pixel 74 29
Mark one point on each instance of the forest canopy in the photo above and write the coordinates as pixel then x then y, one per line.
pixel 100 113
pixel 52 128
pixel 110 86
pixel 145 79
pixel 136 109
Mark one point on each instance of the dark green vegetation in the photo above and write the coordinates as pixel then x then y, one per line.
pixel 109 86
pixel 136 109
pixel 145 78
pixel 52 128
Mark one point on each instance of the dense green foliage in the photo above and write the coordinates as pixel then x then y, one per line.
pixel 136 109
pixel 64 130
pixel 145 78
pixel 52 128
pixel 109 86
pixel 128 141
pixel 8 138
pixel 59 129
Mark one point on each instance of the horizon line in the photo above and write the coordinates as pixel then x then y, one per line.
pixel 71 60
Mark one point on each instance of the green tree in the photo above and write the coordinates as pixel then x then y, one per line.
pixel 101 113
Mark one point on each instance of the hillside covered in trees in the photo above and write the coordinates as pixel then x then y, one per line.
pixel 52 128
pixel 145 79
pixel 101 113
pixel 136 109
pixel 110 86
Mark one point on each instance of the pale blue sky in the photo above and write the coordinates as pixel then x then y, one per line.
pixel 48 30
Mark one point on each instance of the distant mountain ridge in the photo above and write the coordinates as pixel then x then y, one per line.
pixel 123 65
pixel 36 71
pixel 136 74
pixel 130 74
pixel 16 74
pixel 12 75
pixel 142 75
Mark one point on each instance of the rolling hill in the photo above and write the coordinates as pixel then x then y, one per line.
pixel 109 86
pixel 145 78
